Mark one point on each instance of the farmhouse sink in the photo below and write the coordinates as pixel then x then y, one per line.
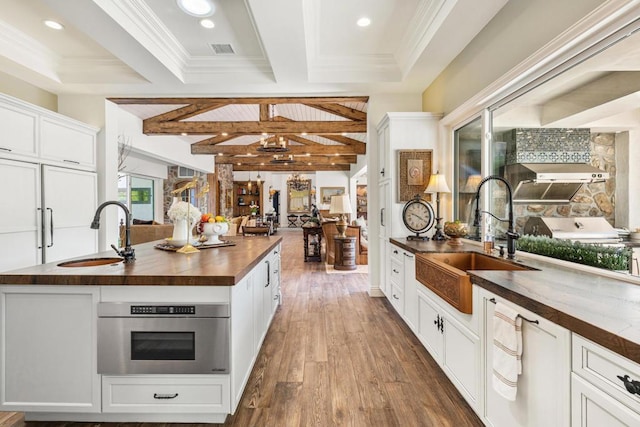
pixel 446 274
pixel 90 262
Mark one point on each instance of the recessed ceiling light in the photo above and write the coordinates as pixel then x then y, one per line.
pixel 53 24
pixel 363 22
pixel 184 134
pixel 198 8
pixel 207 23
pixel 225 134
pixel 303 134
pixel 220 154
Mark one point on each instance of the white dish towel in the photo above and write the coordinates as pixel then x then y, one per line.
pixel 507 350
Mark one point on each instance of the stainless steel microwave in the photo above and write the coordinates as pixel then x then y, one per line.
pixel 140 338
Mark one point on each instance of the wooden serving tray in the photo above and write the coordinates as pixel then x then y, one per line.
pixel 170 248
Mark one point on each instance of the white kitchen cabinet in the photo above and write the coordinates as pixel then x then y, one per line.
pixel 254 302
pixel 48 349
pixel 31 132
pixel 402 284
pixel 396 279
pixel 404 130
pixel 451 343
pixel 20 215
pixel 165 394
pixel 69 202
pixel 592 407
pixel 543 395
pixel 598 395
pixel 68 142
pixel 401 131
pixel 49 219
pixel 19 129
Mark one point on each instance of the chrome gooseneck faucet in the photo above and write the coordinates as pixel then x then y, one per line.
pixel 512 236
pixel 128 253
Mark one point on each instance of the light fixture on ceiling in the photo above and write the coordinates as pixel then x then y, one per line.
pixel 270 145
pixel 258 179
pixel 280 159
pixel 53 24
pixel 207 23
pixel 363 22
pixel 197 8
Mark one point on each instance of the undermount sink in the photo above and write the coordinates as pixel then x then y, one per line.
pixel 446 274
pixel 90 262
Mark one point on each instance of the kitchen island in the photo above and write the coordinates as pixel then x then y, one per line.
pixel 49 334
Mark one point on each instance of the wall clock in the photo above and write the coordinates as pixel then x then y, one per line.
pixel 418 217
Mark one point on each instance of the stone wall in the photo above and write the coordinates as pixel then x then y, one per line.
pixel 597 199
pixel 170 185
pixel 225 185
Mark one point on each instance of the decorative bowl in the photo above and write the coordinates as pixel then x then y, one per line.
pixel 212 230
pixel 456 230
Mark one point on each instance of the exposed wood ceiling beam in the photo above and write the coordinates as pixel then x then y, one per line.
pixel 296 167
pixel 317 149
pixel 252 128
pixel 273 100
pixel 315 160
pixel 340 110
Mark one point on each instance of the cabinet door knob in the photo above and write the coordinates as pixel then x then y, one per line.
pixel 396 296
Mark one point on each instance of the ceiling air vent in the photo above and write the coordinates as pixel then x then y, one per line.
pixel 222 49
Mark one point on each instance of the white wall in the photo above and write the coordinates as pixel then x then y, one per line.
pixel 137 164
pixel 167 149
pixel 627 175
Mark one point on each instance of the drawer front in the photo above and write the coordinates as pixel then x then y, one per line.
pixel 168 394
pixel 601 367
pixel 396 253
pixel 397 272
pixel 397 298
pixel 592 407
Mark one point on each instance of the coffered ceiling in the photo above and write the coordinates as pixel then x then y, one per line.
pixel 161 65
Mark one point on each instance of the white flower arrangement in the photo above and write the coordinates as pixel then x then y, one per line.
pixel 180 210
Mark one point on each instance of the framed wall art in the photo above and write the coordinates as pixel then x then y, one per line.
pixel 327 192
pixel 414 170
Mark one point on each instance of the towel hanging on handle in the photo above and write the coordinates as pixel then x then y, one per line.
pixel 507 350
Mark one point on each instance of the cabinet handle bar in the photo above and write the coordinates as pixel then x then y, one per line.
pixel 493 300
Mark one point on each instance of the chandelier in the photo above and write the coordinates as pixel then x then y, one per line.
pixel 297 182
pixel 281 159
pixel 270 145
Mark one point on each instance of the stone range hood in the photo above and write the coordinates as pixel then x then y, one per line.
pixel 549 165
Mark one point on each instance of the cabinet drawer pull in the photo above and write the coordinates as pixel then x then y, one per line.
pixel 71 161
pixel 536 322
pixel 6 149
pixel 395 271
pixel 632 386
pixel 407 255
pixel 395 251
pixel 164 396
pixel 396 296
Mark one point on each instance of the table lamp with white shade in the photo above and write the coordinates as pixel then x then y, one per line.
pixel 342 206
pixel 437 185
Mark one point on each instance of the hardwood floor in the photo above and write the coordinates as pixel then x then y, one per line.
pixel 336 357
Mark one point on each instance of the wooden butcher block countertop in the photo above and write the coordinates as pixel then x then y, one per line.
pixel 221 266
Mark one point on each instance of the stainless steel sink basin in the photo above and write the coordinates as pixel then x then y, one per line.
pixel 446 274
pixel 90 262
